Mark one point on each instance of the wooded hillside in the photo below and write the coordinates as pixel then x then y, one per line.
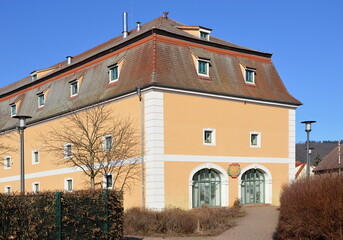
pixel 321 148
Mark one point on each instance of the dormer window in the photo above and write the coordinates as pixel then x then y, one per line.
pixel 113 73
pixel 34 76
pixel 13 108
pixel 41 99
pixel 250 75
pixel 203 67
pixel 74 88
pixel 204 35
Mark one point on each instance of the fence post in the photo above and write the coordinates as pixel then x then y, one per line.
pixel 58 217
pixel 106 212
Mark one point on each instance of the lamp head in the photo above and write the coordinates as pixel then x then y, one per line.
pixel 308 125
pixel 22 121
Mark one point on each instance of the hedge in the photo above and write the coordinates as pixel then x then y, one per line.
pixel 50 215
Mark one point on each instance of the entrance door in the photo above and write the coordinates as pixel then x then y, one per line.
pixel 252 188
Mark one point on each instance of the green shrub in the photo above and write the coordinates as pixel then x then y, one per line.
pixel 312 209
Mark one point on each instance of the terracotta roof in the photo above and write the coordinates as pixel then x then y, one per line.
pixel 330 161
pixel 160 54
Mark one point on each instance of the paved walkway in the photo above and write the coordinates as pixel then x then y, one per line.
pixel 258 224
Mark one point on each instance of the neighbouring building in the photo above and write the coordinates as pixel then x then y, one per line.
pixel 332 163
pixel 218 123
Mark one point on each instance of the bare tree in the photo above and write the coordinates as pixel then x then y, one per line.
pixel 99 144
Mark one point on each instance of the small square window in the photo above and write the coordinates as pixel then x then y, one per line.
pixel 209 136
pixel 109 181
pixel 107 143
pixel 255 139
pixel 41 99
pixel 68 150
pixel 68 185
pixel 13 110
pixel 35 157
pixel 8 189
pixel 74 88
pixel 35 187
pixel 7 162
pixel 113 73
pixel 204 35
pixel 250 75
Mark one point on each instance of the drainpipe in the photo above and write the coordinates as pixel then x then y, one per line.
pixel 139 94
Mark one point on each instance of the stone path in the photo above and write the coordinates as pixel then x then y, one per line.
pixel 258 224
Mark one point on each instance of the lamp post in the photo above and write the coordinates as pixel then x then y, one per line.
pixel 21 127
pixel 308 130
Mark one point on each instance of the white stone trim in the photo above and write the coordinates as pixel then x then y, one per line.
pixel 267 177
pixel 224 182
pixel 291 145
pixel 154 145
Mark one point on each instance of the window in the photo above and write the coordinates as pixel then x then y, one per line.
pixel 203 66
pixel 107 143
pixel 206 188
pixel 68 184
pixel 113 73
pixel 74 88
pixel 255 139
pixel 109 181
pixel 68 150
pixel 250 75
pixel 35 157
pixel 7 162
pixel 34 76
pixel 8 189
pixel 209 136
pixel 13 109
pixel 204 35
pixel 35 187
pixel 41 99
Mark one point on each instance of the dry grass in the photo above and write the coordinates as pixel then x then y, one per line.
pixel 177 222
pixel 312 209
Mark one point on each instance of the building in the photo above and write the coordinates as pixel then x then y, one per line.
pixel 332 163
pixel 300 170
pixel 217 121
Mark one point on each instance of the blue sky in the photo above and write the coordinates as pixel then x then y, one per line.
pixel 305 37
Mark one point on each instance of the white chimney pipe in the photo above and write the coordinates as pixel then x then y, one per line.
pixel 69 58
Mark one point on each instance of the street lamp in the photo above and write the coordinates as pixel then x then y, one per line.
pixel 308 130
pixel 21 127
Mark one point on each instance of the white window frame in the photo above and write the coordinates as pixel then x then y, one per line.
pixel 213 136
pixel 13 105
pixel 253 71
pixel 110 80
pixel 71 88
pixel 104 147
pixel 201 30
pixel 8 187
pixel 34 184
pixel 9 159
pixel 207 62
pixel 39 95
pixel 105 181
pixel 258 145
pixel 66 180
pixel 66 156
pixel 33 157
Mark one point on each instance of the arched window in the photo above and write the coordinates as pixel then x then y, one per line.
pixel 253 187
pixel 206 188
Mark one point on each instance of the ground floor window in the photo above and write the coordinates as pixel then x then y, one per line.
pixel 206 188
pixel 253 187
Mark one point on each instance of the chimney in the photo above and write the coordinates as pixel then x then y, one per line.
pixel 138 26
pixel 125 28
pixel 69 58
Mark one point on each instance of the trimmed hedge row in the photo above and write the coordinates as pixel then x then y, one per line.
pixel 312 209
pixel 49 215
